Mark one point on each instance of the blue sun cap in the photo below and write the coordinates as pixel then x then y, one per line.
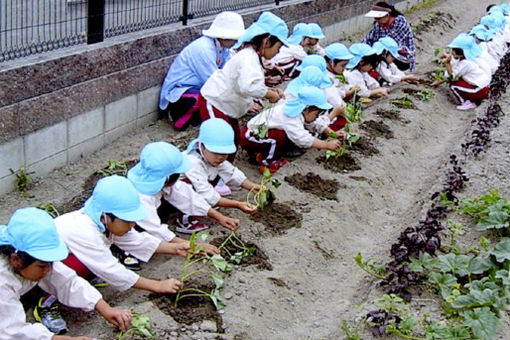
pixel 307 96
pixel 482 33
pixel 312 76
pixel 115 195
pixel 495 9
pixel 505 7
pixel 315 31
pixel 359 50
pixel 338 51
pixel 33 231
pixel 389 44
pixel 157 161
pixel 493 21
pixel 300 31
pixel 468 45
pixel 266 23
pixel 217 136
pixel 313 60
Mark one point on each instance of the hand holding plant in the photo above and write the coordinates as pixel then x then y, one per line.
pixel 247 208
pixel 230 223
pixel 169 286
pixel 117 317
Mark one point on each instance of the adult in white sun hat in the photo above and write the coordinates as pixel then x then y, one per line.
pixel 390 22
pixel 195 64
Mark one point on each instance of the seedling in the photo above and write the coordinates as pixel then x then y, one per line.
pixel 263 130
pixel 197 262
pixel 368 265
pixel 22 178
pixel 140 327
pixel 351 332
pixel 341 79
pixel 242 250
pixel 403 102
pixel 424 95
pixel 113 167
pixel 49 208
pixel 264 196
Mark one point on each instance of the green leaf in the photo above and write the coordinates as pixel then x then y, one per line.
pixel 504 276
pixel 220 263
pixel 497 218
pixel 483 323
pixel 480 264
pixel 438 331
pixel 446 283
pixel 218 280
pixel 424 261
pixel 217 299
pixel 502 250
pixel 457 264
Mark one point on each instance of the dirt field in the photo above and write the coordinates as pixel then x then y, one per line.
pixel 304 281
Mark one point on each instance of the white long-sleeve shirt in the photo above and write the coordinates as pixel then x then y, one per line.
pixel 289 54
pixel 180 195
pixel 84 240
pixel 491 60
pixel 294 127
pixel 233 88
pixel 201 174
pixel 470 72
pixel 61 281
pixel 336 93
pixel 361 79
pixel 390 72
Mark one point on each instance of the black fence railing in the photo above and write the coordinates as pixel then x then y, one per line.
pixel 29 27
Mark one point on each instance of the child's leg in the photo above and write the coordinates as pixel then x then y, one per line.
pixel 185 109
pixel 465 91
pixel 271 147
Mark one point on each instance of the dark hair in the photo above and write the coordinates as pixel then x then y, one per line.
pixel 459 52
pixel 489 7
pixel 170 180
pixel 372 59
pixel 258 40
pixel 111 216
pixel 335 61
pixel 393 13
pixel 25 258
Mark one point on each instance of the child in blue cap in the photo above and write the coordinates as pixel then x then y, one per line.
pixel 388 71
pixel 195 64
pixel 365 60
pixel 156 177
pixel 482 37
pixel 209 154
pixel 314 36
pixel 32 253
pixel 230 91
pixel 107 218
pixel 471 83
pixel 286 124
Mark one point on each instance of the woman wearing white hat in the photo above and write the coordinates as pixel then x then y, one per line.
pixel 195 64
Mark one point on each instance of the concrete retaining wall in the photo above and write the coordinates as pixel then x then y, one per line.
pixel 59 107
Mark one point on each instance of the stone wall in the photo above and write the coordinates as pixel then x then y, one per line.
pixel 59 107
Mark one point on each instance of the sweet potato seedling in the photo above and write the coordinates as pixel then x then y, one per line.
pixel 140 327
pixel 113 167
pixel 241 249
pixel 49 208
pixel 403 102
pixel 22 179
pixel 264 196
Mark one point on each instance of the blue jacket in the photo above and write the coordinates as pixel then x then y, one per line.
pixel 192 67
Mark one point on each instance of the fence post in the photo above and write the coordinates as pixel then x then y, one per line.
pixel 184 17
pixel 95 21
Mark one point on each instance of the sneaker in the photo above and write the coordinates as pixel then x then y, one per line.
pixel 50 317
pixel 189 226
pixel 467 105
pixel 274 166
pixel 98 282
pixel 222 189
pixel 129 261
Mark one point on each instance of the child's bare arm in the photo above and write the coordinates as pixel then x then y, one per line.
pixel 332 144
pixel 227 222
pixel 243 206
pixel 249 185
pixel 164 286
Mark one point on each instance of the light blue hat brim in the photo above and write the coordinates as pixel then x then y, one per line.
pixel 133 215
pixel 314 36
pixel 255 30
pixel 222 149
pixel 147 187
pixel 295 39
pixel 354 61
pixel 380 47
pixel 470 53
pixel 295 107
pixel 51 255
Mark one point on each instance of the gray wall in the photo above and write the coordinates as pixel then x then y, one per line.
pixel 58 107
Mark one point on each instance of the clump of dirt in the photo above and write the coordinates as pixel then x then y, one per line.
pixel 77 201
pixel 344 163
pixel 365 147
pixel 278 218
pixel 258 259
pixel 377 129
pixel 278 282
pixel 434 20
pixel 315 184
pixel 390 114
pixel 190 309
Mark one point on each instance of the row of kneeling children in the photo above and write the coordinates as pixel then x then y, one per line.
pixel 41 250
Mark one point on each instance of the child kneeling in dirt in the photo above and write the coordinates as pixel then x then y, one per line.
pixel 285 126
pixel 388 71
pixel 358 71
pixel 32 253
pixel 209 154
pixel 107 218
pixel 156 177
pixel 470 83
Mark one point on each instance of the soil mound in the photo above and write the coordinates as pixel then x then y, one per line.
pixel 377 129
pixel 278 218
pixel 315 184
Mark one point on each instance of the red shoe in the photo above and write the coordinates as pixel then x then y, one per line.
pixel 274 166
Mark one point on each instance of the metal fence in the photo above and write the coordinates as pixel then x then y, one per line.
pixel 33 26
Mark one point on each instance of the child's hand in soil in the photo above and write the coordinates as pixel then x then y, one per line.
pixel 230 223
pixel 120 318
pixel 380 92
pixel 169 286
pixel 411 79
pixel 179 249
pixel 247 208
pixel 333 144
pixel 209 248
